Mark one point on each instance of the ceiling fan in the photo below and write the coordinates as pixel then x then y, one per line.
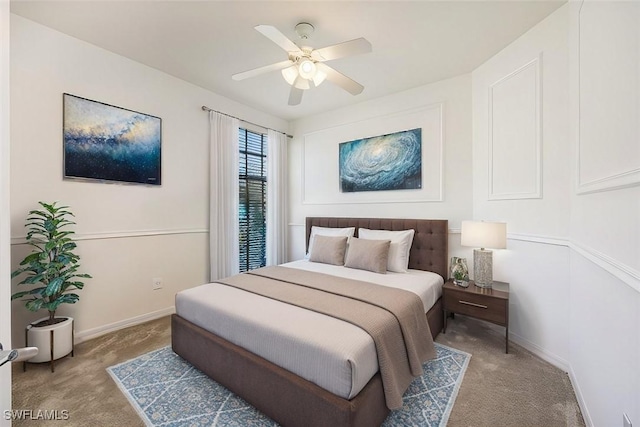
pixel 305 68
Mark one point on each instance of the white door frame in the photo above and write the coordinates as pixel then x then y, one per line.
pixel 5 231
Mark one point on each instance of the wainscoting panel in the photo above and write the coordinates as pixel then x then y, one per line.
pixel 515 136
pixel 609 96
pixel 120 292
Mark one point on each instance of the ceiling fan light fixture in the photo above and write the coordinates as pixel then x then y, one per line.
pixel 319 77
pixel 294 78
pixel 290 74
pixel 307 69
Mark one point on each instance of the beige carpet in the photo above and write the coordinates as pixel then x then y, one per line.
pixel 515 389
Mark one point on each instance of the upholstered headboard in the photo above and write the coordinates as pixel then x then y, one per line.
pixel 430 248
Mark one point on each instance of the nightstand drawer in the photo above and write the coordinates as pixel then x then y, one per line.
pixel 477 305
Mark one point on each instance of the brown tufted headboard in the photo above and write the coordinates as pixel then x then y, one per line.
pixel 430 248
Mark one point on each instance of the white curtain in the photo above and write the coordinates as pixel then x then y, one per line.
pixel 276 197
pixel 223 195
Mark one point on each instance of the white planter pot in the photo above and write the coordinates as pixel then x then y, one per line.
pixel 41 337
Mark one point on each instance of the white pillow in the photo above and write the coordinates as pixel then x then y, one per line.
pixel 398 260
pixel 327 231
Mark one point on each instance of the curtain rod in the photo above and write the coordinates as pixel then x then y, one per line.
pixel 205 108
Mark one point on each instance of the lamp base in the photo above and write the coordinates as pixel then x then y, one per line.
pixel 483 268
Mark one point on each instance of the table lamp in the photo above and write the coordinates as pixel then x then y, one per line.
pixel 484 235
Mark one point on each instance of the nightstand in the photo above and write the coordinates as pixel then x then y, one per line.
pixel 490 304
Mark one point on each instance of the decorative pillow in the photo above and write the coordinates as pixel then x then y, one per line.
pixel 398 251
pixel 368 255
pixel 328 249
pixel 327 231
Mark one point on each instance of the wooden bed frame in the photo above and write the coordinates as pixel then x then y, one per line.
pixel 285 397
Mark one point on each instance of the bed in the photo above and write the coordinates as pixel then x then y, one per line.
pixel 284 396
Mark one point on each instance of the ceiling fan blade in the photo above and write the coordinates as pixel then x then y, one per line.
pixel 295 96
pixel 265 69
pixel 352 47
pixel 273 34
pixel 335 77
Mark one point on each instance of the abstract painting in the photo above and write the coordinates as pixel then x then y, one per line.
pixel 108 143
pixel 386 162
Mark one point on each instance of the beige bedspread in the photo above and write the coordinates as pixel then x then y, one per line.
pixel 394 318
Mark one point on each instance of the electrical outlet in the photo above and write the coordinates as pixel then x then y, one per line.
pixel 626 422
pixel 156 283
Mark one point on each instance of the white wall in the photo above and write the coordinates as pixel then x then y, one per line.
pixel 573 256
pixel 128 234
pixel 441 109
pixel 521 175
pixel 605 209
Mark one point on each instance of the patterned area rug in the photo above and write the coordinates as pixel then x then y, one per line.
pixel 167 391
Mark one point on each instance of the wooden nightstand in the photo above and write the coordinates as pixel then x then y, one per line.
pixel 490 304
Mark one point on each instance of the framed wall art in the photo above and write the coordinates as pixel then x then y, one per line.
pixel 385 162
pixel 111 144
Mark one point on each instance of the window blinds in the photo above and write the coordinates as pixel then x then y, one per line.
pixel 253 197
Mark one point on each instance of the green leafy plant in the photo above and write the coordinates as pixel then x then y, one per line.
pixel 458 275
pixel 52 267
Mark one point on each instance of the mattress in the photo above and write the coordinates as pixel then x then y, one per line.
pixel 335 355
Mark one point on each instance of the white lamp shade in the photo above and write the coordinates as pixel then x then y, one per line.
pixel 290 74
pixel 480 234
pixel 319 77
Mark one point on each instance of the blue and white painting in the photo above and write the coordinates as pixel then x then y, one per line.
pixel 387 162
pixel 110 143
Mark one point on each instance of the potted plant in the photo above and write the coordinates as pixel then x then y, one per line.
pixel 459 271
pixel 52 270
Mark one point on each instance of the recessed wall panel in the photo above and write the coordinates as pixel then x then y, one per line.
pixel 321 169
pixel 609 96
pixel 514 135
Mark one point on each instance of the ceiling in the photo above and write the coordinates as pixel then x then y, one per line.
pixel 205 42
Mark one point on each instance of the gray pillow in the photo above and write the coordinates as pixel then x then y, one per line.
pixel 371 255
pixel 328 249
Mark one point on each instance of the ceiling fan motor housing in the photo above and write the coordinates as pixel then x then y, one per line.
pixel 304 30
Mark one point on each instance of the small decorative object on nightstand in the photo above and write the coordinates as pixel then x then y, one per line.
pixel 490 304
pixel 459 271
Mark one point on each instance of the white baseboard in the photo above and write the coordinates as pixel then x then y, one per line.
pixel 543 354
pixel 112 327
pixel 540 352
pixel 581 403
pixel 556 361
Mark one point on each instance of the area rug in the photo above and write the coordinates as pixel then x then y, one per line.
pixel 166 390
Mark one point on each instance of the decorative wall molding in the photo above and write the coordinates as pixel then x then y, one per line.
pixel 556 241
pixel 353 200
pixel 623 272
pixel 613 181
pixel 536 193
pixel 616 181
pixel 116 326
pixel 21 240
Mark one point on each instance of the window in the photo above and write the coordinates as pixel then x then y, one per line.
pixel 253 198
